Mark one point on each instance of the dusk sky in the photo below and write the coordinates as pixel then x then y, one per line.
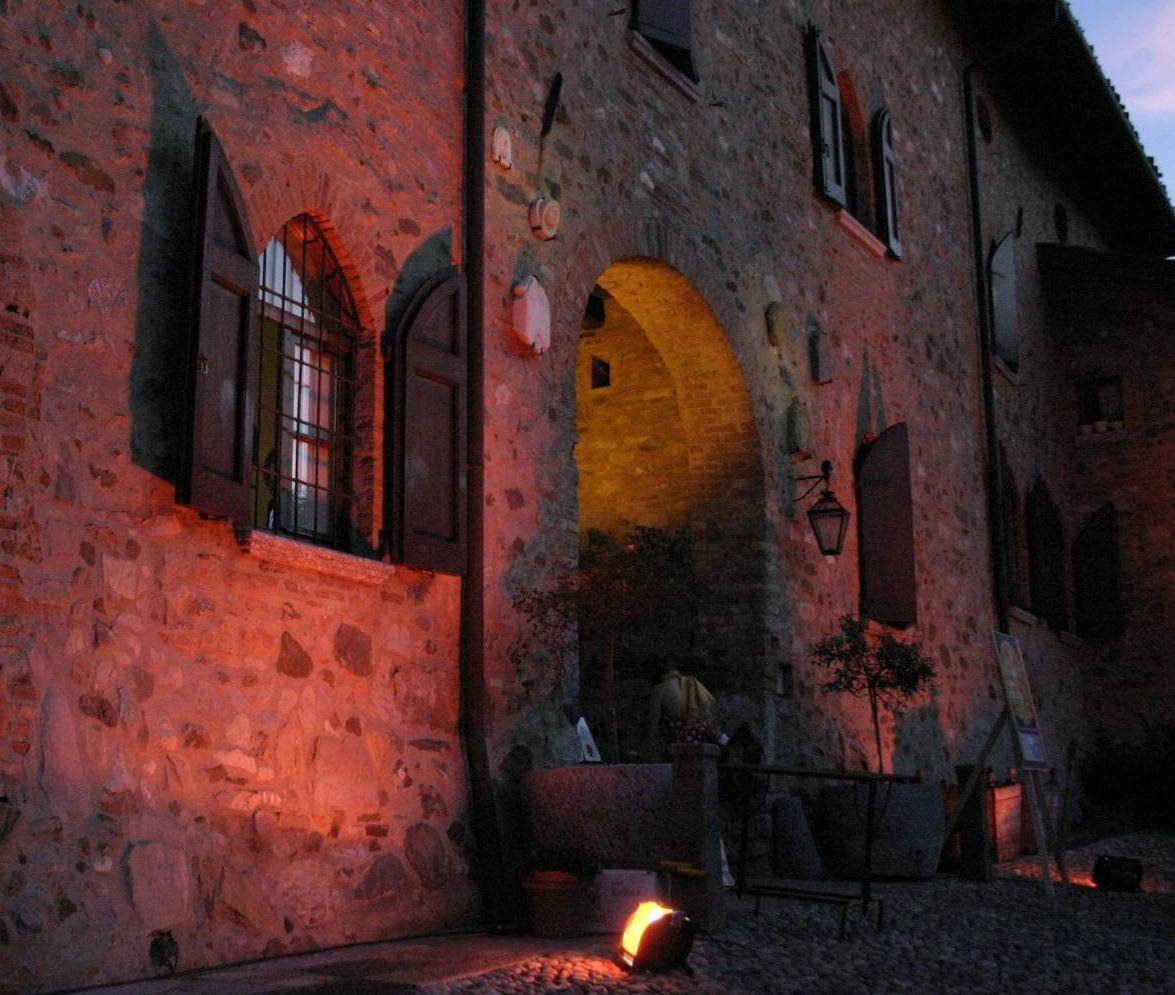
pixel 1135 44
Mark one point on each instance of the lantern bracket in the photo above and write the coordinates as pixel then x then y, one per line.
pixel 819 478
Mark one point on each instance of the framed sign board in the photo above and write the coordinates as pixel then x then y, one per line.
pixel 1021 704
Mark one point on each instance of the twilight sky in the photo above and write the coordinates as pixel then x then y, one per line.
pixel 1135 43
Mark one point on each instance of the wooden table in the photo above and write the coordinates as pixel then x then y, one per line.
pixel 803 893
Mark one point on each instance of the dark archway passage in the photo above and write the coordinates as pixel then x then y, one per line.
pixel 667 440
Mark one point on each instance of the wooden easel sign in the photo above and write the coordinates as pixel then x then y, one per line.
pixel 1021 704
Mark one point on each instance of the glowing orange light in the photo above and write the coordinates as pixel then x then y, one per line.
pixel 645 915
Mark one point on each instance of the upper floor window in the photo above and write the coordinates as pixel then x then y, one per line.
pixel 855 159
pixel 276 388
pixel 665 24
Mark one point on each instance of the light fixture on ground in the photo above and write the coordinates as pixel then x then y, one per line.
pixel 830 521
pixel 656 938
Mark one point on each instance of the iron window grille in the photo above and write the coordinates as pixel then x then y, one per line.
pixel 304 442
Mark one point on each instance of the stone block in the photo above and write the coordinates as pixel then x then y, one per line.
pixel 160 884
pixel 63 774
pixel 343 774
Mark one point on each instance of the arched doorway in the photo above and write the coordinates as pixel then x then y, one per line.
pixel 667 441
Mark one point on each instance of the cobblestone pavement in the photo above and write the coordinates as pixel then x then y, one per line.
pixel 942 936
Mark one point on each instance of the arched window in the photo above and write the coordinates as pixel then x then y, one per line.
pixel 306 367
pixel 274 382
pixel 1046 556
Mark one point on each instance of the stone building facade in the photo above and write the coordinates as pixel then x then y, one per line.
pixel 252 744
pixel 253 748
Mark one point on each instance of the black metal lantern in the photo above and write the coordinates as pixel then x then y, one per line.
pixel 830 520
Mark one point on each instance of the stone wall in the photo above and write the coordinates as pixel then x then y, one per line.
pixel 1020 197
pixel 1114 315
pixel 715 183
pixel 253 750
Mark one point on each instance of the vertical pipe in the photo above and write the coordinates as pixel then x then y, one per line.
pixel 473 685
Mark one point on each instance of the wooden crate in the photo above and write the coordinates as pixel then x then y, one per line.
pixel 1003 820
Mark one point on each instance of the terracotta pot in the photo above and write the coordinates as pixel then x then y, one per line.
pixel 558 904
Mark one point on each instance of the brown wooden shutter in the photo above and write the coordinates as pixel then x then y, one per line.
pixel 1001 275
pixel 427 506
pixel 885 523
pixel 1046 556
pixel 827 140
pixel 666 23
pixel 222 353
pixel 1096 576
pixel 885 171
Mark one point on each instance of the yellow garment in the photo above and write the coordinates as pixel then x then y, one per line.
pixel 697 698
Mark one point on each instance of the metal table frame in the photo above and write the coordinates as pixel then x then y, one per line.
pixel 822 896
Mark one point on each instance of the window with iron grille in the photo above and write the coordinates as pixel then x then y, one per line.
pixel 304 441
pixel 274 379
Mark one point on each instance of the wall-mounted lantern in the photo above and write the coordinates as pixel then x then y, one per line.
pixel 830 520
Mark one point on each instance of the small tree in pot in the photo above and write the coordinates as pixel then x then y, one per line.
pixel 908 831
pixel 879 668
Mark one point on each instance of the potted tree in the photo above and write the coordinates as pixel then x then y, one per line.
pixel 886 673
pixel 558 897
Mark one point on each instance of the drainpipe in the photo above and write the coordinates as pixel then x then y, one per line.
pixel 995 509
pixel 474 729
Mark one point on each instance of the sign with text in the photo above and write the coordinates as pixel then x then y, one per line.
pixel 1021 704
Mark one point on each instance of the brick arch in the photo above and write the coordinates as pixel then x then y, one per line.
pixel 308 190
pixel 663 281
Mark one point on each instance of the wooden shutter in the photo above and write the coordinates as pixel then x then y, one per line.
pixel 827 140
pixel 666 23
pixel 1001 276
pixel 222 353
pixel 1096 576
pixel 1046 559
pixel 885 523
pixel 885 171
pixel 428 489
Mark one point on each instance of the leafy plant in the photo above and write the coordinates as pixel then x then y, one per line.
pixel 880 668
pixel 624 588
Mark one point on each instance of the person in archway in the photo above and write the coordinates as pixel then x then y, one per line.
pixel 680 708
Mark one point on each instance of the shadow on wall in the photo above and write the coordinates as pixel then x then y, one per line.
pixel 433 254
pixel 165 248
